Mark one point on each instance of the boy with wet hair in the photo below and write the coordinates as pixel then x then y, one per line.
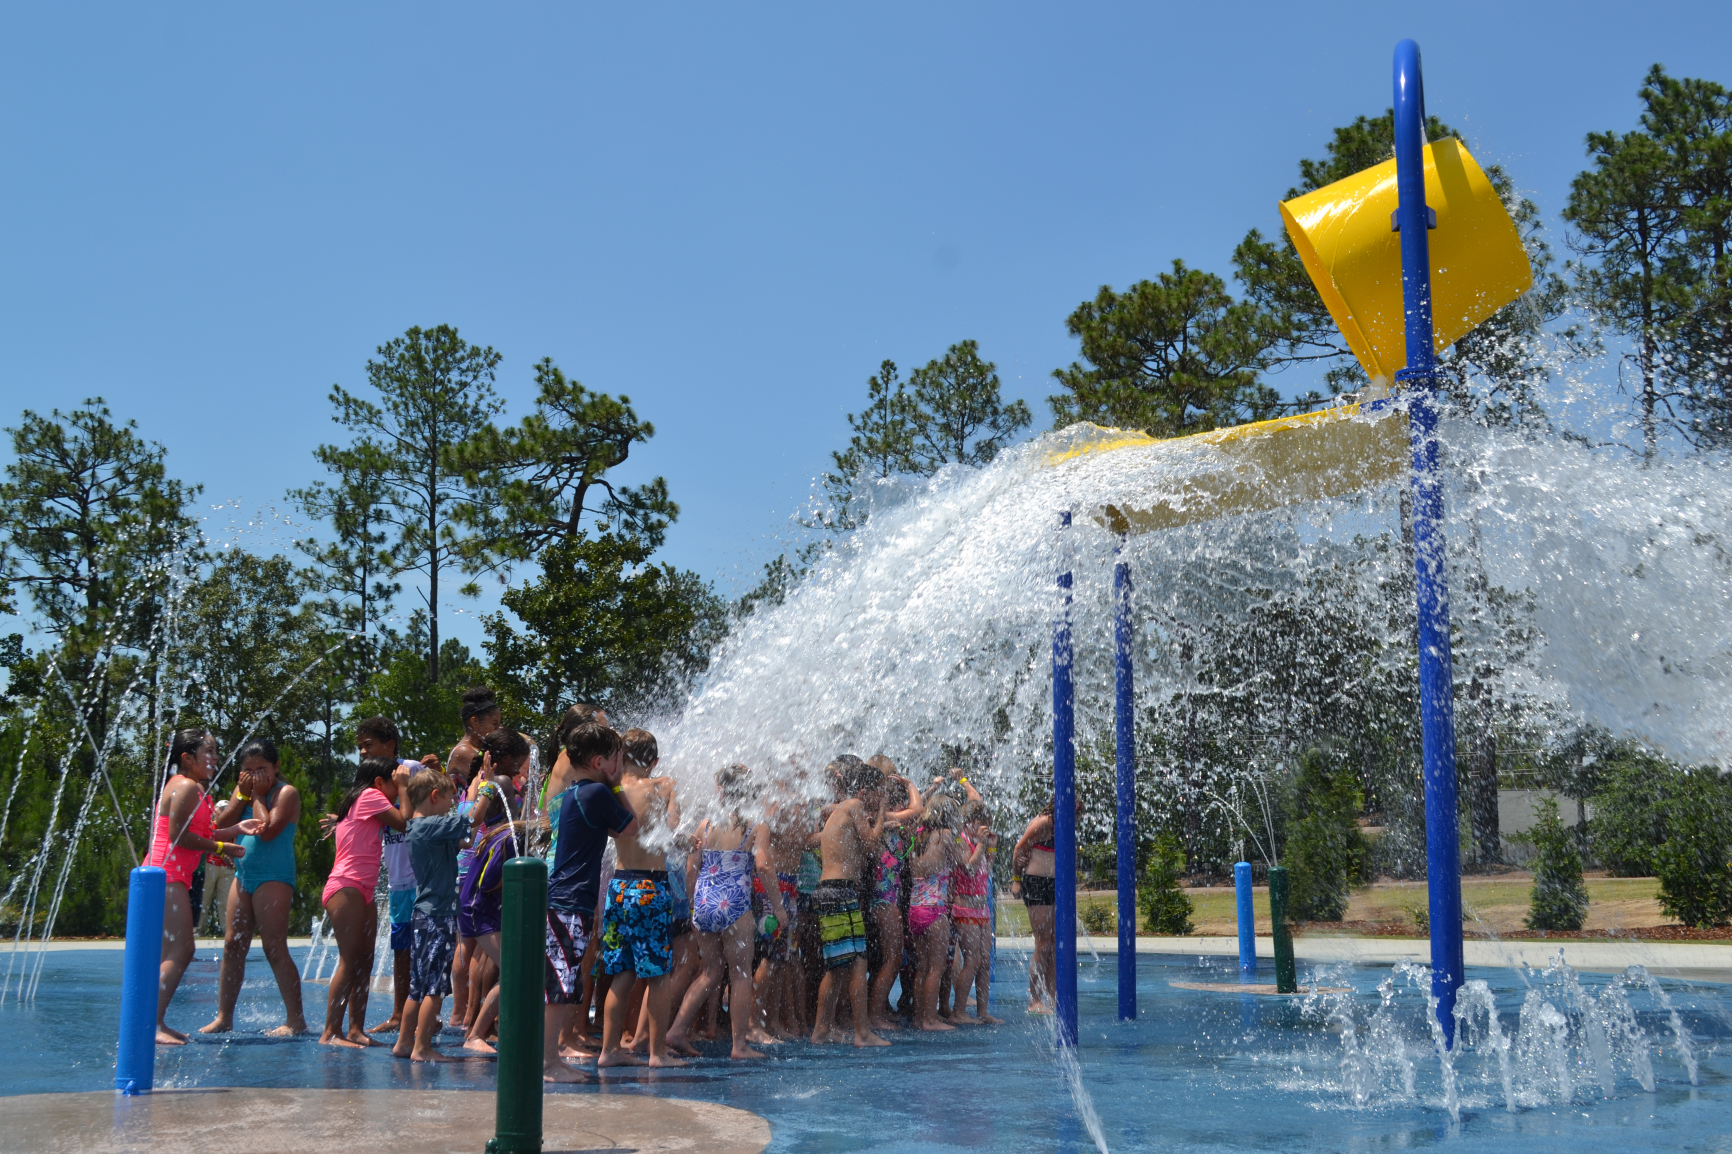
pixel 435 835
pixel 850 835
pixel 588 815
pixel 636 923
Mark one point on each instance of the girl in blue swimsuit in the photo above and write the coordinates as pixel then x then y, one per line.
pixel 263 888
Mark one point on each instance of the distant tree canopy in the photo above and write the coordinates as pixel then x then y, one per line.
pixel 147 627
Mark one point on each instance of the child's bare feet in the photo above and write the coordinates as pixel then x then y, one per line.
pixel 618 1058
pixel 745 1053
pixel 664 1061
pixel 936 1025
pixel 885 1024
pixel 330 1039
pixel 560 1072
pixel 479 1045
pixel 287 1030
pixel 356 1038
pixel 868 1038
pixel 385 1027
pixel 681 1046
pixel 758 1037
pixel 1038 1008
pixel 428 1055
pixel 218 1025
pixel 989 1020
pixel 168 1037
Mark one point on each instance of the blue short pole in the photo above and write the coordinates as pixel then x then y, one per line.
pixel 1064 810
pixel 1125 727
pixel 1436 689
pixel 141 976
pixel 1247 919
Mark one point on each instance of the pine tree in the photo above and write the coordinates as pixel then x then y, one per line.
pixel 1166 907
pixel 1170 356
pixel 1560 899
pixel 958 416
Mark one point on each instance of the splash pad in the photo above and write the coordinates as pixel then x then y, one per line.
pixel 930 630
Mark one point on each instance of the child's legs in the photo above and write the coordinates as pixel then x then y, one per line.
pixel 487 950
pixel 351 925
pixel 708 977
pixel 460 981
pixel 859 994
pixel 482 977
pixel 1041 920
pixel 742 1004
pixel 930 947
pixel 426 1022
pixel 271 904
pixel 889 920
pixel 615 1009
pixel 177 946
pixel 237 940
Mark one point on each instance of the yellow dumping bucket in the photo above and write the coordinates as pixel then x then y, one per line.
pixel 1344 235
pixel 1252 468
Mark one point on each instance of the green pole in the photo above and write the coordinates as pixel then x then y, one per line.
pixel 517 1103
pixel 1286 977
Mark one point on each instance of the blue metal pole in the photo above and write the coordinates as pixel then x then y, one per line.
pixel 1436 690
pixel 1064 811
pixel 1247 919
pixel 1125 727
pixel 135 1067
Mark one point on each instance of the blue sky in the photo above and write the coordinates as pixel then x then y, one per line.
pixel 213 213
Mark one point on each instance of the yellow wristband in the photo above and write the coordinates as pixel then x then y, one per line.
pixel 242 798
pixel 219 849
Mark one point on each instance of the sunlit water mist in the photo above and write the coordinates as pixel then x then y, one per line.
pixel 931 626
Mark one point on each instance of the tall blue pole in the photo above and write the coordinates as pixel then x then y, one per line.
pixel 1125 732
pixel 141 972
pixel 1436 691
pixel 1064 807
pixel 1247 919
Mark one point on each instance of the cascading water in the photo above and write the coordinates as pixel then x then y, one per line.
pixel 925 633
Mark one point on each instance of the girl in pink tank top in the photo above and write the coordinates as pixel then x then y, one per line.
pixel 182 839
pixel 370 808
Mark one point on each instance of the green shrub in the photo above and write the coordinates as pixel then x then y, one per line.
pixel 1560 900
pixel 1165 906
pixel 1325 852
pixel 1694 863
pixel 1097 917
pixel 1635 791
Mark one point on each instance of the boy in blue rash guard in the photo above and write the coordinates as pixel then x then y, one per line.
pixel 589 814
pixel 435 835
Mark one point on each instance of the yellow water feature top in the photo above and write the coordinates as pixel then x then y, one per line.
pixel 1345 236
pixel 1255 467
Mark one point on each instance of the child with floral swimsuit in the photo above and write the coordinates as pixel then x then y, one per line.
pixel 970 888
pixel 938 850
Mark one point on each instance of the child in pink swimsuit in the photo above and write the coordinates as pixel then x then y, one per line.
pixel 971 914
pixel 370 808
pixel 937 852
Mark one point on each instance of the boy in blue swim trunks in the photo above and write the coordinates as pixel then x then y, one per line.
pixel 637 922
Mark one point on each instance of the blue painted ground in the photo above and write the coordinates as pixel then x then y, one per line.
pixel 1198 1072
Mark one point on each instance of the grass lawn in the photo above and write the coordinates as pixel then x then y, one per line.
pixel 1497 904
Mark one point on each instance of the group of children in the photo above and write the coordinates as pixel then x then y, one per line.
pixel 764 912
